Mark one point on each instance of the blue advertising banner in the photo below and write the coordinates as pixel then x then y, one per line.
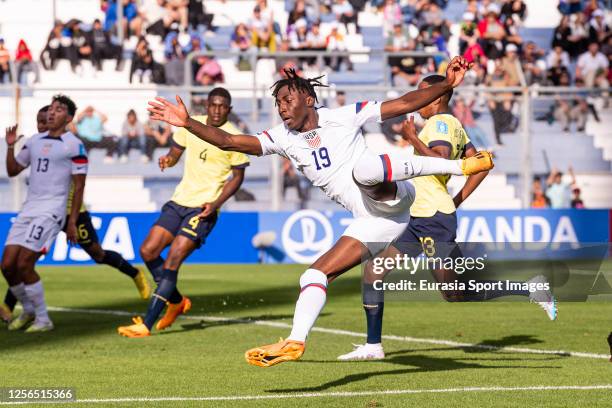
pixel 302 236
pixel 229 242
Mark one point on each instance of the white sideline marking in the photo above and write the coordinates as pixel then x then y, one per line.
pixel 329 394
pixel 348 333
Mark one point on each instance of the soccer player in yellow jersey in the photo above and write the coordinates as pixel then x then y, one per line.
pixel 87 238
pixel 188 218
pixel 433 219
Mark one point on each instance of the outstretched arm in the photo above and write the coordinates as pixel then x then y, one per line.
pixel 177 115
pixel 13 168
pixel 415 100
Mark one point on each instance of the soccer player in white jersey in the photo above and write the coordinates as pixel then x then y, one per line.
pixel 56 158
pixel 327 146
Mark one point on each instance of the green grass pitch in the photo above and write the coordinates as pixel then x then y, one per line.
pixel 203 357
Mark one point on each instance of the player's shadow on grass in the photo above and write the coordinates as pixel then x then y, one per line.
pixel 419 364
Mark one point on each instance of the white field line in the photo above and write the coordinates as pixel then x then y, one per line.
pixel 407 339
pixel 328 394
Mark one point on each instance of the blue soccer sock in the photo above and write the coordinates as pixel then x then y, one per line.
pixel 115 260
pixel 373 305
pixel 156 267
pixel 165 288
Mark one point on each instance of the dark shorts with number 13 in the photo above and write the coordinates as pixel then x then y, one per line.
pixel 180 220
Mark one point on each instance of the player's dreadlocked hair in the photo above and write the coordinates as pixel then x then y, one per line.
pixel 297 83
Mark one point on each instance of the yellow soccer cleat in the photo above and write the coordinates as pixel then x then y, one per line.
pixel 138 329
pixel 142 284
pixel 5 313
pixel 481 161
pixel 267 356
pixel 172 312
pixel 21 321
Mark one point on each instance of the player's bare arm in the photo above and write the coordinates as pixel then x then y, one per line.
pixel 12 167
pixel 229 189
pixel 177 115
pixel 77 201
pixel 472 181
pixel 415 100
pixel 171 158
pixel 409 134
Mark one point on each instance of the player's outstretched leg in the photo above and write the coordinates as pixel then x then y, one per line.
pixel 344 255
pixel 372 169
pixel 115 260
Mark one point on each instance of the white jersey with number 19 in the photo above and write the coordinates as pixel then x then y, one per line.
pixel 327 156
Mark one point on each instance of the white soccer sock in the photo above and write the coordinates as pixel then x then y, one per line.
pixel 373 169
pixel 36 293
pixel 313 284
pixel 20 293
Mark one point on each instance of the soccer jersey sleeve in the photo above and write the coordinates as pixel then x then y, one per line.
pixel 23 157
pixel 238 160
pixel 366 111
pixel 179 139
pixel 269 140
pixel 79 158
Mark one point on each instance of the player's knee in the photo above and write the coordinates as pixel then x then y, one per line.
pixel 175 259
pixel 313 277
pixel 97 256
pixel 148 252
pixel 368 170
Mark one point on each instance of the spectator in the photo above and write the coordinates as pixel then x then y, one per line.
pixel 576 199
pixel 298 12
pixel 298 36
pixel 514 9
pixel 59 46
pixel 198 17
pixel 241 41
pixel 568 7
pixel 392 15
pixel 568 111
pixel 104 48
pixel 469 33
pixel 500 104
pixel 404 70
pixel 539 199
pixel 157 135
pixel 316 42
pixel 463 112
pixel 209 72
pixel 132 137
pixel 511 65
pixel 262 31
pixel 345 14
pixel 557 62
pixel 561 34
pixel 90 128
pixel 293 179
pixel 175 50
pixel 512 32
pixel 335 43
pixel 81 41
pixel 339 101
pixel 598 29
pixel 132 22
pixel 25 63
pixel 157 18
pixel 533 63
pixel 492 33
pixel 5 62
pixel 179 9
pixel 579 34
pixel 325 12
pixel 590 67
pixel 557 191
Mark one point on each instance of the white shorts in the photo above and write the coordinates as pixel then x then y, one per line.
pixel 385 220
pixel 34 233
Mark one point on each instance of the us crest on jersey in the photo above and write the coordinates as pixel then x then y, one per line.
pixel 313 139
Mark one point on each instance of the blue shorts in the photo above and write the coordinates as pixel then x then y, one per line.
pixel 433 235
pixel 179 220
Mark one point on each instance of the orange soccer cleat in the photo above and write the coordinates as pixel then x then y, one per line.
pixel 138 329
pixel 172 312
pixel 272 354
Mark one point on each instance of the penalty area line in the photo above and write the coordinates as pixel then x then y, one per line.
pixel 338 394
pixel 405 339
